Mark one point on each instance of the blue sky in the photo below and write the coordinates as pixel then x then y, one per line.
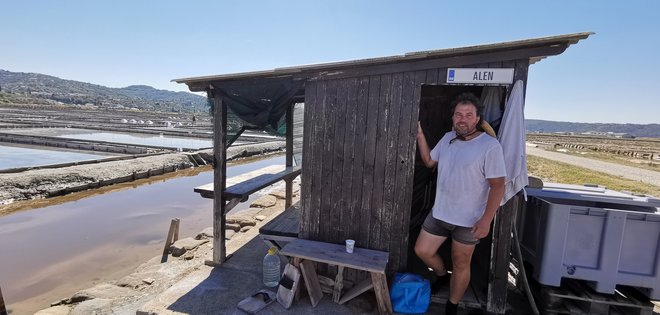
pixel 610 77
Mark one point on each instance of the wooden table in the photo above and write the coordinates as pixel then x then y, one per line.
pixel 306 252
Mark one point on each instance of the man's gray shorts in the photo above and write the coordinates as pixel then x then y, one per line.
pixel 460 234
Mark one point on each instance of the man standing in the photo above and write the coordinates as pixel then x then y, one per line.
pixel 470 186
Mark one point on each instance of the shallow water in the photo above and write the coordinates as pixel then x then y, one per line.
pixel 17 156
pixel 50 252
pixel 119 137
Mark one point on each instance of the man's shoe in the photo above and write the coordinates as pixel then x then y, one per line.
pixel 440 282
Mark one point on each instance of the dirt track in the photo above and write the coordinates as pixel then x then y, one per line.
pixel 628 172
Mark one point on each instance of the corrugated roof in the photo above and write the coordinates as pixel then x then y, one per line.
pixel 567 39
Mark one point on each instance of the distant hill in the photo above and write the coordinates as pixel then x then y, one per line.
pixel 637 130
pixel 40 87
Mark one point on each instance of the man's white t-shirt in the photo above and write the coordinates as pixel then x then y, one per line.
pixel 463 170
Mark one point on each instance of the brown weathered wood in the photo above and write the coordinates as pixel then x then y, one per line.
pixel 345 206
pixel 334 254
pixel 410 100
pixel 289 155
pixel 334 225
pixel 3 309
pixel 317 144
pixel 248 187
pixel 377 204
pixel 308 167
pixel 286 223
pixel 500 258
pixel 219 179
pixel 328 141
pixel 368 168
pixel 339 284
pixel 390 219
pixel 172 236
pixel 206 191
pixel 356 290
pixel 360 102
pixel 382 293
pixel 311 282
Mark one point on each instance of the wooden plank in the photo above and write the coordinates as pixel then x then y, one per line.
pixel 500 258
pixel 329 139
pixel 356 290
pixel 339 284
pixel 207 190
pixel 382 293
pixel 377 212
pixel 172 236
pixel 369 162
pixel 308 179
pixel 346 206
pixel 431 76
pixel 219 179
pixel 311 282
pixel 391 214
pixel 289 155
pixel 333 254
pixel 360 102
pixel 254 184
pixel 406 167
pixel 284 224
pixel 338 161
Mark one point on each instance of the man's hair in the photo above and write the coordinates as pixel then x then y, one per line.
pixel 468 98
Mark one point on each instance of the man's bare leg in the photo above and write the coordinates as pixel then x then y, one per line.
pixel 426 248
pixel 461 256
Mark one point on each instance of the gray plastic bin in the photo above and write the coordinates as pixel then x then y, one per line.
pixel 594 238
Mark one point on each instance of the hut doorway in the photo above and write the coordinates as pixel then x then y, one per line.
pixel 435 119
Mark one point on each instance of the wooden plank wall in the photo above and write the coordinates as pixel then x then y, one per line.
pixel 298 131
pixel 358 164
pixel 359 145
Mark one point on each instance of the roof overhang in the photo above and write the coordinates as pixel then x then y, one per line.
pixel 204 83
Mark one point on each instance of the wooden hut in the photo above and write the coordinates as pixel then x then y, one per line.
pixel 359 176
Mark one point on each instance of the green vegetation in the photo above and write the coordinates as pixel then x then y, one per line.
pixel 35 88
pixel 559 172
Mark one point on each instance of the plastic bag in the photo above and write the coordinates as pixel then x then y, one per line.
pixel 410 293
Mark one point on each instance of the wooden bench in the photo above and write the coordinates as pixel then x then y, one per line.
pixel 239 188
pixel 305 252
pixel 283 228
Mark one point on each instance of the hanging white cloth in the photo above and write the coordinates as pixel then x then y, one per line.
pixel 512 138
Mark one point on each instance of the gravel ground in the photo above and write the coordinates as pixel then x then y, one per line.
pixel 628 172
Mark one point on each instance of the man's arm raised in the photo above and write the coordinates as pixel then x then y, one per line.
pixel 424 150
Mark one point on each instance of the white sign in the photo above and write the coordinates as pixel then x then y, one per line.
pixel 480 75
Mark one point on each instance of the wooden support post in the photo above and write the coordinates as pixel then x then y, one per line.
pixel 219 179
pixel 339 284
pixel 3 309
pixel 500 257
pixel 172 236
pixel 382 293
pixel 289 155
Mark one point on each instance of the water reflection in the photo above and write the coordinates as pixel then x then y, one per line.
pixel 50 252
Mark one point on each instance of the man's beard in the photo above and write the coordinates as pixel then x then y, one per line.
pixel 464 130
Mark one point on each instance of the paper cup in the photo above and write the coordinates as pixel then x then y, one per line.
pixel 350 244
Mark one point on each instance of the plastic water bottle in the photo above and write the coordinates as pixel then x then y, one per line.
pixel 271 269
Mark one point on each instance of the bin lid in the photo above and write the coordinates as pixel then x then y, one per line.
pixel 599 194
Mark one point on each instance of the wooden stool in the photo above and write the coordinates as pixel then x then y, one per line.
pixel 305 252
